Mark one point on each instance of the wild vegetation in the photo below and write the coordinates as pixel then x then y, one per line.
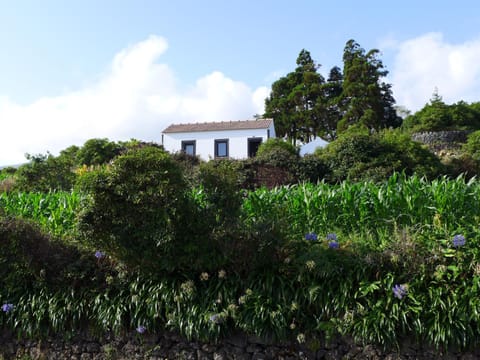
pixel 378 261
pixel 373 236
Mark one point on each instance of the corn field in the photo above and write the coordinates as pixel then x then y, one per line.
pixel 55 212
pixel 401 202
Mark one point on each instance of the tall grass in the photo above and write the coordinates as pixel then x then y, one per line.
pixel 369 207
pixel 55 212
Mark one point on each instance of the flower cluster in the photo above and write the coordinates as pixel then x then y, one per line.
pixel 301 338
pixel 217 318
pixel 188 288
pixel 310 264
pixel 141 329
pixel 458 240
pixel 311 237
pixel 332 237
pixel 222 274
pixel 400 290
pixel 99 254
pixel 7 308
pixel 333 245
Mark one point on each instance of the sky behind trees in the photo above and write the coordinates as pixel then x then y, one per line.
pixel 71 71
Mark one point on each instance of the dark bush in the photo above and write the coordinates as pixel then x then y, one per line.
pixel 221 181
pixel 44 173
pixel 138 211
pixel 29 258
pixel 131 204
pixel 358 157
pixel 97 152
pixel 472 147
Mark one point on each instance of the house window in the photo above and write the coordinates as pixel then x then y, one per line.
pixel 221 148
pixel 188 147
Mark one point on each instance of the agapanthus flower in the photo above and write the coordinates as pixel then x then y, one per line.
pixel 216 318
pixel 99 254
pixel 332 236
pixel 311 237
pixel 7 307
pixel 458 240
pixel 141 329
pixel 333 245
pixel 400 291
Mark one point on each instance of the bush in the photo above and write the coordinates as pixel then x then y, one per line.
pixel 97 152
pixel 132 208
pixel 29 258
pixel 277 152
pixel 472 146
pixel 311 168
pixel 44 173
pixel 375 157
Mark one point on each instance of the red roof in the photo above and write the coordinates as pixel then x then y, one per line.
pixel 220 126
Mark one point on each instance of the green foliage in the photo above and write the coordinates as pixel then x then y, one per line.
pixel 272 281
pixel 277 152
pixel 30 259
pixel 297 101
pixel 221 181
pixel 472 146
pixel 357 156
pixel 365 98
pixel 55 212
pixel 436 116
pixel 44 173
pixel 131 208
pixel 97 152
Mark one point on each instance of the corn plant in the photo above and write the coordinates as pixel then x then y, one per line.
pixel 55 212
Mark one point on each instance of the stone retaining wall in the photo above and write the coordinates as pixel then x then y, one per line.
pixel 434 137
pixel 238 347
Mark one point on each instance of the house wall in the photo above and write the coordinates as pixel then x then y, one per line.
pixel 205 141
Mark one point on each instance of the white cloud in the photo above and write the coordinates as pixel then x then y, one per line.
pixel 136 98
pixel 428 62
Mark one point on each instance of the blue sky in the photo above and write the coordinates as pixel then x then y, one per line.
pixel 73 70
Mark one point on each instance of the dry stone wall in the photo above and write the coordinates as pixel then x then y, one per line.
pixel 237 347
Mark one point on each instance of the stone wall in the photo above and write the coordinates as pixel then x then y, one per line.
pixel 171 346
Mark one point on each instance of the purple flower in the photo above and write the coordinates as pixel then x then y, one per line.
pixel 332 236
pixel 7 307
pixel 311 237
pixel 99 254
pixel 216 319
pixel 141 329
pixel 458 240
pixel 400 291
pixel 333 245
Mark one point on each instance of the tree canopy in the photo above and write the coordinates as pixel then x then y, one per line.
pixel 304 105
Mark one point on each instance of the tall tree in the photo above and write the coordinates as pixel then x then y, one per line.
pixel 366 99
pixel 296 101
pixel 333 89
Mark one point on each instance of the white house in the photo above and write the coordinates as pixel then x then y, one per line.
pixel 218 140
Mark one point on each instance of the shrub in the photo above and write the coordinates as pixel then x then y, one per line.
pixel 221 181
pixel 472 146
pixel 311 168
pixel 132 208
pixel 29 259
pixel 375 157
pixel 97 152
pixel 45 173
pixel 277 152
